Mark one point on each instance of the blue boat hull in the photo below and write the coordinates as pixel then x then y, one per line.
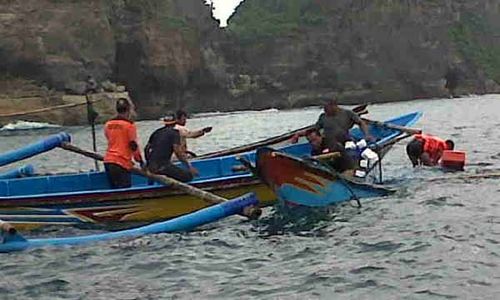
pixel 300 182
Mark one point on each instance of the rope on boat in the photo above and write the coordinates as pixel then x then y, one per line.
pixel 45 109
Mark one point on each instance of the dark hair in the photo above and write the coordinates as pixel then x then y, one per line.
pixel 122 105
pixel 180 113
pixel 450 144
pixel 313 130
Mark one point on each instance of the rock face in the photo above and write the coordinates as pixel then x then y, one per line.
pixel 378 50
pixel 154 47
pixel 25 100
pixel 275 53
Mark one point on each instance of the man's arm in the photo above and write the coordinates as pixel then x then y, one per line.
pixel 134 146
pixel 362 124
pixel 426 159
pixel 193 134
pixel 318 125
pixel 182 157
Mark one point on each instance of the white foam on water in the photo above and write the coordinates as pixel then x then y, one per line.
pixel 25 125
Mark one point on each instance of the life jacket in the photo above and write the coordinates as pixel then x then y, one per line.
pixel 433 146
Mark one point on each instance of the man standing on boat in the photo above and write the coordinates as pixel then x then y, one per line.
pixel 181 119
pixel 426 149
pixel 336 123
pixel 121 134
pixel 161 145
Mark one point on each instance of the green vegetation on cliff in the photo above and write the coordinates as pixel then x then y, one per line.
pixel 472 37
pixel 261 19
pixel 158 12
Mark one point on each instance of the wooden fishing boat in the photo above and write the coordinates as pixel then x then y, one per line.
pixel 306 182
pixel 86 199
pixel 11 240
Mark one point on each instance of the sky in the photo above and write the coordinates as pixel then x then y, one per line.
pixel 223 9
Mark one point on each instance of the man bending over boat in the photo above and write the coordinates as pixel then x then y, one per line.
pixel 161 145
pixel 121 134
pixel 426 149
pixel 336 123
pixel 318 145
pixel 185 133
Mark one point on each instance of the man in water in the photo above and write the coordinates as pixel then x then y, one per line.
pixel 161 145
pixel 121 134
pixel 427 149
pixel 181 119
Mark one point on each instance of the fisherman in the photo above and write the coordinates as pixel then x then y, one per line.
pixel 90 85
pixel 160 147
pixel 181 119
pixel 426 149
pixel 342 163
pixel 336 123
pixel 121 134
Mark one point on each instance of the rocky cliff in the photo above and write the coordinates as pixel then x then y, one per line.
pixel 154 47
pixel 378 50
pixel 274 53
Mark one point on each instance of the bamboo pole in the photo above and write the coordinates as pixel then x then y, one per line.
pixel 45 109
pixel 250 212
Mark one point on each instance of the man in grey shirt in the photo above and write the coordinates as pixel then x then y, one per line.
pixel 336 123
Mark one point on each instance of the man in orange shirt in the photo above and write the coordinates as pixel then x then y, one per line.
pixel 121 134
pixel 426 149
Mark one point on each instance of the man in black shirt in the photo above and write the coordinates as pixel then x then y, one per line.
pixel 161 145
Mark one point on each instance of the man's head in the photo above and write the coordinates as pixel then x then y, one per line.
pixel 414 150
pixel 331 107
pixel 181 117
pixel 450 145
pixel 314 138
pixel 169 119
pixel 123 107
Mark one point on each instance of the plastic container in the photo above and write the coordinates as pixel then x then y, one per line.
pixel 360 173
pixel 453 160
pixel 370 155
pixel 362 144
pixel 363 163
pixel 350 145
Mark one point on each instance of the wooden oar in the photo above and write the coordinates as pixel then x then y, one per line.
pixel 250 212
pixel 360 110
pixel 394 126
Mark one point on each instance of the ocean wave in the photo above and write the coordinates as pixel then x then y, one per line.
pixel 25 125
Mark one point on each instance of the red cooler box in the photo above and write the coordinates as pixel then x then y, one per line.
pixel 453 160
